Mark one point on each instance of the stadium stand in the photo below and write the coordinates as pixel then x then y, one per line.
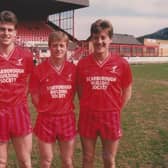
pixel 34 31
pixel 38 18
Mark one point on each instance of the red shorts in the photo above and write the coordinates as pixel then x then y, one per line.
pixel 48 128
pixel 14 122
pixel 106 125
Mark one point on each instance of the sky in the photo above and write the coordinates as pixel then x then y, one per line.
pixel 134 17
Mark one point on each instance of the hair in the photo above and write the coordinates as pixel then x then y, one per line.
pixel 100 25
pixel 7 16
pixel 57 36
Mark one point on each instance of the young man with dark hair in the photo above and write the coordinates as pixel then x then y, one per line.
pixel 16 65
pixel 104 83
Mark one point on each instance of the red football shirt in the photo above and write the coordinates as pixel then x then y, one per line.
pixel 14 72
pixel 55 89
pixel 101 84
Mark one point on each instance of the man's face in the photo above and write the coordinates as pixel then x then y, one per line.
pixel 7 33
pixel 58 49
pixel 101 42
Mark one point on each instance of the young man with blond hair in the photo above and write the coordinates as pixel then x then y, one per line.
pixel 53 86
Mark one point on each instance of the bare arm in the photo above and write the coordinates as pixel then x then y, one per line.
pixel 35 99
pixel 27 85
pixel 34 89
pixel 79 91
pixel 126 95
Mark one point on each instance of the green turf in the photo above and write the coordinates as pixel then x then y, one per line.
pixel 144 120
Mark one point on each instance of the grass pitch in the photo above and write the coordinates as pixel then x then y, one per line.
pixel 144 121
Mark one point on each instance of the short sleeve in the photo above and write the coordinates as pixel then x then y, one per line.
pixel 127 75
pixel 29 62
pixel 34 82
